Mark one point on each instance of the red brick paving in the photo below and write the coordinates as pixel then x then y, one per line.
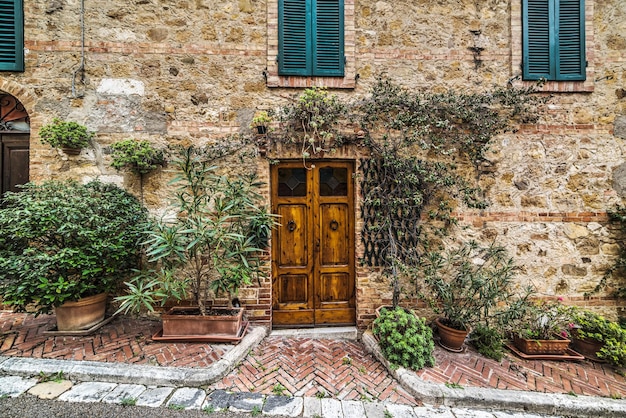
pixel 305 367
pixel 309 367
pixel 123 340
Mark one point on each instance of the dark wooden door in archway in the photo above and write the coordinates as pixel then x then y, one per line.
pixel 313 248
pixel 14 149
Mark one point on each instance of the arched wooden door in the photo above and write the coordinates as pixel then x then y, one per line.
pixel 313 248
pixel 14 143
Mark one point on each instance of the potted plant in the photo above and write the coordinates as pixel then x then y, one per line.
pixel 467 285
pixel 260 122
pixel 71 137
pixel 211 245
pixel 597 338
pixel 62 242
pixel 542 328
pixel 139 157
pixel 404 338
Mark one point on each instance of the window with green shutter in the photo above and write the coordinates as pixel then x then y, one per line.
pixel 310 38
pixel 11 35
pixel 553 40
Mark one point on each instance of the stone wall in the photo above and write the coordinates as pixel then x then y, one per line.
pixel 181 72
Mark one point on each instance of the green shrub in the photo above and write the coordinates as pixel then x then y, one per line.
pixel 591 325
pixel 404 338
pixel 488 341
pixel 60 241
pixel 140 157
pixel 60 134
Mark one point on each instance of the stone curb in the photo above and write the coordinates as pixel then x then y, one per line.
pixel 535 402
pixel 92 371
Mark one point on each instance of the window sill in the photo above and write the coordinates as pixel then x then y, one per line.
pixel 561 86
pixel 304 82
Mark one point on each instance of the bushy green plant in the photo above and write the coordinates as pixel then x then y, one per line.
pixel 590 325
pixel 488 341
pixel 469 283
pixel 60 134
pixel 211 242
pixel 140 157
pixel 315 112
pixel 542 320
pixel 61 241
pixel 404 338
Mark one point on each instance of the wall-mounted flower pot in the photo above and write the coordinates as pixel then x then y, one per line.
pixel 82 314
pixel 71 151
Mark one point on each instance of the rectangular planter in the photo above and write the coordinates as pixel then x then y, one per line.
pixel 558 345
pixel 187 321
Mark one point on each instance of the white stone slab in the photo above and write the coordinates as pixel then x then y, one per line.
pixel 121 87
pixel 88 392
pixel 312 407
pixel 331 408
pixel 189 398
pixel 374 409
pixel 352 409
pixel 154 397
pixel 124 391
pixel 14 386
pixel 400 411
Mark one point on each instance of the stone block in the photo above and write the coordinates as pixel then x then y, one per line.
pixel 154 397
pixel 284 405
pixel 123 392
pixel 88 392
pixel 50 390
pixel 14 386
pixel 189 398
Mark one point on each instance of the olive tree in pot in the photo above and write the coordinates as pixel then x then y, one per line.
pixel 212 245
pixel 62 242
pixel 469 285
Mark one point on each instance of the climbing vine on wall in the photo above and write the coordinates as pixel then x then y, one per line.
pixel 425 154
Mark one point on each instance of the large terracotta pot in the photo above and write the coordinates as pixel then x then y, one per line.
pixel 82 314
pixel 187 321
pixel 558 345
pixel 451 339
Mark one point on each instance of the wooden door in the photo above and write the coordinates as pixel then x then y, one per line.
pixel 313 248
pixel 14 149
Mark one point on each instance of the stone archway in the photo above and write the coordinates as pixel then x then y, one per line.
pixel 14 143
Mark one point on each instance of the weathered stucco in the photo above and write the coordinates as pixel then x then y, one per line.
pixel 181 72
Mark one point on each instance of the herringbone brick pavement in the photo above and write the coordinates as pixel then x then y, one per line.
pixel 304 367
pixel 577 378
pixel 309 367
pixel 123 340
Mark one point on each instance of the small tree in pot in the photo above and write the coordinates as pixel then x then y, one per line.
pixel 64 241
pixel 213 244
pixel 69 136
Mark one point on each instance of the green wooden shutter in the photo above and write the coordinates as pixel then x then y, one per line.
pixel 553 39
pixel 328 49
pixel 571 40
pixel 294 31
pixel 11 35
pixel 537 49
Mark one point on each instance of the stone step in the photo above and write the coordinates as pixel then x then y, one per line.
pixel 331 333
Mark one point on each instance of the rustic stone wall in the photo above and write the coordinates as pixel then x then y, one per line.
pixel 182 72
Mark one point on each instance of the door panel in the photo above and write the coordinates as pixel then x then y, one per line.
pixel 293 240
pixel 313 248
pixel 334 228
pixel 14 152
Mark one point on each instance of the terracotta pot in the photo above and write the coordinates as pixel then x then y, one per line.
pixel 450 338
pixel 187 321
pixel 558 345
pixel 82 314
pixel 588 347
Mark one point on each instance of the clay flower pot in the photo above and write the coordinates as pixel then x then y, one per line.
pixel 558 345
pixel 451 339
pixel 82 314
